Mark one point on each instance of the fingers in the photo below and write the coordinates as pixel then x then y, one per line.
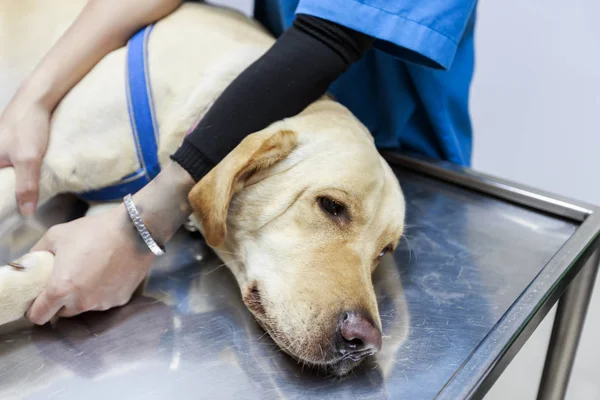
pixel 62 299
pixel 45 243
pixel 45 306
pixel 4 162
pixel 27 173
pixel 66 312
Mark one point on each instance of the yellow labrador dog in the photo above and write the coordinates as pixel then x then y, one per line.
pixel 301 212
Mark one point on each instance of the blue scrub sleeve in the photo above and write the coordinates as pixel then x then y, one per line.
pixel 425 32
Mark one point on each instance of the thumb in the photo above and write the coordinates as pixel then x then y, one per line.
pixel 27 174
pixel 44 244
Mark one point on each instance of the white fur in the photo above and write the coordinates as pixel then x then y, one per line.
pixel 20 286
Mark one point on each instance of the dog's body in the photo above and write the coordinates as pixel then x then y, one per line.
pixel 300 267
pixel 193 55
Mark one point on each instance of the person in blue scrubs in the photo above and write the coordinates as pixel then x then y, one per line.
pixel 412 88
pixel 402 67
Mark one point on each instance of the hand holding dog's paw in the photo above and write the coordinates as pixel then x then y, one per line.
pixel 99 262
pixel 24 135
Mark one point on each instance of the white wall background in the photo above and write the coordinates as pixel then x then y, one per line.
pixel 536 94
pixel 536 114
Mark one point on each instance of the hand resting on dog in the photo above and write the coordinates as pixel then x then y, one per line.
pixel 102 27
pixel 100 259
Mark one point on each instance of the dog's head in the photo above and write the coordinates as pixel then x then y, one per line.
pixel 301 213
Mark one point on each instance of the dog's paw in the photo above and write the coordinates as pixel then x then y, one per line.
pixel 21 281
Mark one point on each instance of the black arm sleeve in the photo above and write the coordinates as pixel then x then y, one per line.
pixel 293 73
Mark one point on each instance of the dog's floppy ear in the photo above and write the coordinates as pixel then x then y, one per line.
pixel 211 196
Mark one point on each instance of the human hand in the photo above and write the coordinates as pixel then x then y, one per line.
pixel 99 262
pixel 24 135
pixel 101 259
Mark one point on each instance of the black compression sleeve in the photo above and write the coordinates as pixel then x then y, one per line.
pixel 293 73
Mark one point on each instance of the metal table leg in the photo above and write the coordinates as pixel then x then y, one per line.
pixel 568 324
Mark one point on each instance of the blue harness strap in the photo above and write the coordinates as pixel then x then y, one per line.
pixel 142 120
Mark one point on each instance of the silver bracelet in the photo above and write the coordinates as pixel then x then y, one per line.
pixel 141 228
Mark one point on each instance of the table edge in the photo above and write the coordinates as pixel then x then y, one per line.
pixel 541 200
pixel 530 308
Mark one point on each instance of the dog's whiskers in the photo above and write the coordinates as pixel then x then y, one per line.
pixel 220 266
pixel 229 252
pixel 262 336
pixel 410 249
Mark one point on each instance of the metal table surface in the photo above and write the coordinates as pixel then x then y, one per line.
pixel 473 278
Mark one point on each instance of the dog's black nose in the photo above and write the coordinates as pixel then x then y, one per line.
pixel 357 336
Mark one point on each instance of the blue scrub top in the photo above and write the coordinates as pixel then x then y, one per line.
pixel 412 89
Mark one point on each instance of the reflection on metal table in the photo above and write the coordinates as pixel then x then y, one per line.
pixel 483 262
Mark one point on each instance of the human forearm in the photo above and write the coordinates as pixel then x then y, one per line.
pixel 102 26
pixel 163 203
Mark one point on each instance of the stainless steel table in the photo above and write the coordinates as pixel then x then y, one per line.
pixel 483 262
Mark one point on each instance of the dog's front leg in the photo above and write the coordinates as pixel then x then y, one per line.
pixel 21 281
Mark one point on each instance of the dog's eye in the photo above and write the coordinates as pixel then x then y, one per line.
pixel 332 207
pixel 386 250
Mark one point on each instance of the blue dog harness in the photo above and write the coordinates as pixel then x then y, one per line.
pixel 143 123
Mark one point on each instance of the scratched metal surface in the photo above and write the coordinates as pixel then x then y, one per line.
pixel 466 260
